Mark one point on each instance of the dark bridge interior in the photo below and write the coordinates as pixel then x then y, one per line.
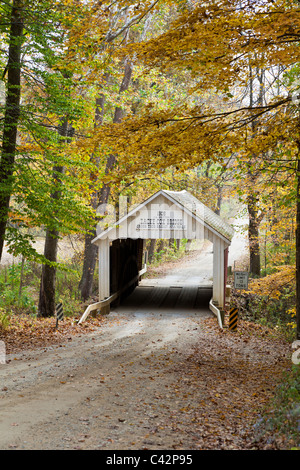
pixel 168 298
pixel 126 260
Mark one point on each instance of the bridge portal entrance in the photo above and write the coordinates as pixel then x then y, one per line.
pixel 165 215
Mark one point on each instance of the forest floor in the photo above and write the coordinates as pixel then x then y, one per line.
pixel 139 381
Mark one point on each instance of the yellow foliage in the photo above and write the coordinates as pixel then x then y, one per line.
pixel 273 284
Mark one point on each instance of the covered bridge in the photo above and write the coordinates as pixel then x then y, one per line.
pixel 164 215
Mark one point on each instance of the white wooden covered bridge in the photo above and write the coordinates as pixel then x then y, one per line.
pixel 164 215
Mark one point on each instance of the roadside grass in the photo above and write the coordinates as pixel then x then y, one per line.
pixel 280 420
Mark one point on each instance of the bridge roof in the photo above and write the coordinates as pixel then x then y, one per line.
pixel 184 201
pixel 212 219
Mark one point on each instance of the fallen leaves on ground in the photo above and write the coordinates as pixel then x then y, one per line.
pixel 25 332
pixel 238 372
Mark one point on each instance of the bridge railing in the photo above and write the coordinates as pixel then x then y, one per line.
pixel 109 300
pixel 217 312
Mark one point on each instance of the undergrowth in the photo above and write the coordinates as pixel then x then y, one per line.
pixel 19 289
pixel 280 421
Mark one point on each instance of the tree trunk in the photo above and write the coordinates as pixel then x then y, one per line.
pixel 219 200
pixel 12 114
pixel 298 247
pixel 89 264
pixel 253 198
pixel 47 286
pixel 90 251
pixel 253 235
pixel 151 250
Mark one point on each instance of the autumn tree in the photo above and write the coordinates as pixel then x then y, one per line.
pixel 219 43
pixel 39 168
pixel 101 197
pixel 133 21
pixel 14 13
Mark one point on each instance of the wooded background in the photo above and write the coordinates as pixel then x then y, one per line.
pixel 107 98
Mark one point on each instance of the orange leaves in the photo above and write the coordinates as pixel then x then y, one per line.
pixel 272 284
pixel 219 33
pixel 237 374
pixel 25 333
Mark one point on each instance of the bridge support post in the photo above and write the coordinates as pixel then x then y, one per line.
pixel 104 273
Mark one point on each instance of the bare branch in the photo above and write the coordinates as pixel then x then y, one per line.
pixel 135 19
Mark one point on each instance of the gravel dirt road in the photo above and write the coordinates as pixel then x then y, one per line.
pixel 151 377
pixel 142 381
pixel 112 389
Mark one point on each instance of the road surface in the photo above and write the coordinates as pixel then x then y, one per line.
pixel 125 386
pixel 114 388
